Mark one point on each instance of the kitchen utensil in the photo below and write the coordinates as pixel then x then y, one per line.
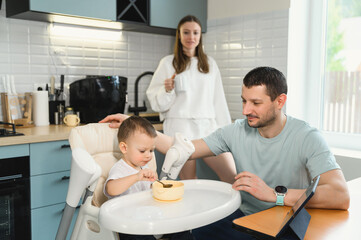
pixel 12 98
pixel 165 185
pixel 60 92
pixel 5 108
pixel 180 83
pixel 168 194
pixel 71 120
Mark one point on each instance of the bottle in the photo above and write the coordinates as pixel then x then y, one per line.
pixel 61 113
pixel 69 110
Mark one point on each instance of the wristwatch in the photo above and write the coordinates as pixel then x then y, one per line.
pixel 280 192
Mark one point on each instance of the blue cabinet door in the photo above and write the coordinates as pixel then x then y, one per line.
pixel 167 13
pixel 49 157
pixel 45 222
pixel 49 189
pixel 105 9
pixel 13 151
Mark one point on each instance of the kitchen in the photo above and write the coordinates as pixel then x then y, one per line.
pixel 32 52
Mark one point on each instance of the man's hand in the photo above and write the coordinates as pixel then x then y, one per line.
pixel 249 182
pixel 115 120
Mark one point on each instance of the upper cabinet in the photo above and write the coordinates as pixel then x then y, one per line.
pixel 83 8
pixel 152 16
pixel 94 9
pixel 167 13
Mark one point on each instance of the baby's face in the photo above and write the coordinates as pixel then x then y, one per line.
pixel 139 149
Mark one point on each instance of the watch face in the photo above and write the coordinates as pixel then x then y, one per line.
pixel 281 189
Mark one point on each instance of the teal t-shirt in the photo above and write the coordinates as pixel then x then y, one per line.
pixel 292 158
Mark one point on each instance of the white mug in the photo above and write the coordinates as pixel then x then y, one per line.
pixel 180 83
pixel 71 120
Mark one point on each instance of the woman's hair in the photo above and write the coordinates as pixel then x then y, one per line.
pixel 181 61
pixel 273 79
pixel 135 123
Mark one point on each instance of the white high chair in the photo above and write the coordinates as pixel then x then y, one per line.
pixel 100 141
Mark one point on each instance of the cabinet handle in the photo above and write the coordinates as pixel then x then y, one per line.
pixel 65 178
pixel 65 146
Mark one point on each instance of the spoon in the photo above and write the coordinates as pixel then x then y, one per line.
pixel 165 185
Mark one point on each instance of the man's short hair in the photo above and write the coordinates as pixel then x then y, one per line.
pixel 273 79
pixel 135 123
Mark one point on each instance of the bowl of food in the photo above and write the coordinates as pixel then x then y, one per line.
pixel 173 193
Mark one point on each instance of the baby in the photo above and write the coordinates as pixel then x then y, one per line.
pixel 131 174
pixel 136 137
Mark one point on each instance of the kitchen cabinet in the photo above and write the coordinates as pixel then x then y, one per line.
pixel 163 15
pixel 49 179
pixel 167 13
pixel 150 16
pixel 50 163
pixel 47 221
pixel 83 8
pixel 67 11
pixel 14 151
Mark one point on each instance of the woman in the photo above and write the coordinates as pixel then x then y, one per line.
pixel 186 89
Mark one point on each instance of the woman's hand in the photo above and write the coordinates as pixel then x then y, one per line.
pixel 115 120
pixel 251 183
pixel 169 84
pixel 147 175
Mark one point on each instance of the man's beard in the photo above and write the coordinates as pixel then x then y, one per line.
pixel 270 118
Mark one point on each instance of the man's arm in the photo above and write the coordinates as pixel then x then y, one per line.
pixel 163 142
pixel 331 192
pixel 202 149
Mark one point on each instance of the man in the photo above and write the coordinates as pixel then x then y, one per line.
pixel 270 149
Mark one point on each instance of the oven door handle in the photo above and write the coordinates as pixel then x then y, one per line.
pixel 11 177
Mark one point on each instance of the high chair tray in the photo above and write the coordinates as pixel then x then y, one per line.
pixel 203 202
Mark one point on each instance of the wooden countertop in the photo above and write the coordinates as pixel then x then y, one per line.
pixel 325 224
pixel 44 134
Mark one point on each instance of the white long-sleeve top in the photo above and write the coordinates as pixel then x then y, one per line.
pixel 203 99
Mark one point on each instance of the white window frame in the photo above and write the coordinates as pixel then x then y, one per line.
pixel 305 68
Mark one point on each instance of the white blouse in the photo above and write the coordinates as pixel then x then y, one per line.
pixel 203 99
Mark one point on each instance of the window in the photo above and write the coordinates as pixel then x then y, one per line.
pixel 342 78
pixel 324 68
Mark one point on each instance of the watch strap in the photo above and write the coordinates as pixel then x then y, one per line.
pixel 280 199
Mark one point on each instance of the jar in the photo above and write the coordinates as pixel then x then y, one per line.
pixel 69 110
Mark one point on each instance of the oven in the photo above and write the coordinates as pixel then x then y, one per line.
pixel 15 219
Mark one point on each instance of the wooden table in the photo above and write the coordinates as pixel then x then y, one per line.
pixel 324 225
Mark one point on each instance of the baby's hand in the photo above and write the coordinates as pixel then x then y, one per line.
pixel 146 175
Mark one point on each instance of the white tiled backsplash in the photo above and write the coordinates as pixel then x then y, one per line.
pixel 239 44
pixel 32 54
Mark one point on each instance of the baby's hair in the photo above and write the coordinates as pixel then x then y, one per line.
pixel 133 124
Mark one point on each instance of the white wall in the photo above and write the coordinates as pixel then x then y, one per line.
pixel 27 51
pixel 243 35
pixel 230 8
